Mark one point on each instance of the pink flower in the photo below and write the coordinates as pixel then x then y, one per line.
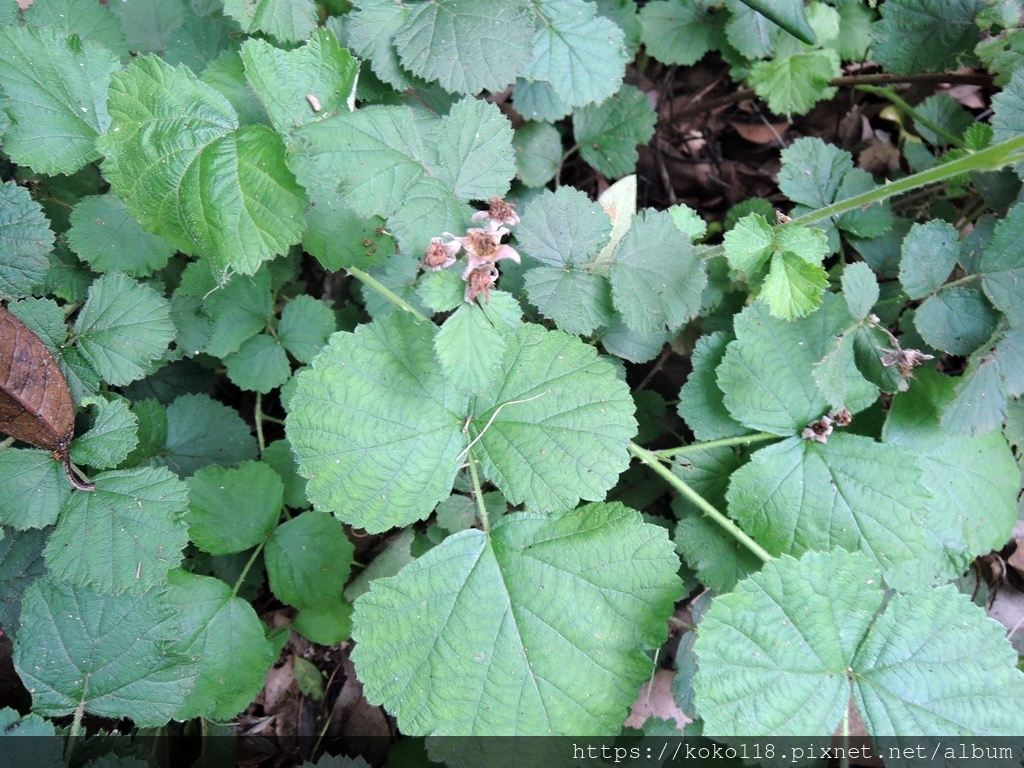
pixel 479 281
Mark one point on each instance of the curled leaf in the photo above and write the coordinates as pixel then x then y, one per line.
pixel 35 402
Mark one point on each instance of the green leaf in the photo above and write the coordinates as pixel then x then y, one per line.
pixel 279 456
pixel 308 559
pixel 371 427
pixel 871 221
pixel 122 328
pixel 340 239
pixel 994 372
pixel 89 21
pixel 232 510
pixel 957 320
pixel 563 228
pixel 788 14
pixel 793 287
pixel 21 563
pixel 689 222
pixel 124 536
pixel 556 429
pixel 467 46
pixel 114 434
pixel 429 639
pixel 537 100
pixel 749 244
pixel 149 24
pixel 850 492
pixel 240 310
pixel 290 21
pixel 656 275
pixel 442 291
pixel 223 634
pixel 201 431
pixel 929 254
pixel 1002 266
pixel 414 168
pixel 471 344
pixel 25 241
pixel 218 190
pixel 56 89
pixel 830 373
pixel 105 236
pixel 380 434
pixel 370 30
pixel 718 559
pixel 923 36
pixel 328 623
pixel 973 480
pixel 302 85
pixel 35 489
pixel 807 629
pixel 565 57
pixel 812 171
pixel 701 402
pixel 860 289
pixel 578 301
pixel 608 133
pixel 941 110
pixel 678 31
pixel 259 365
pixel 306 323
pixel 113 655
pixel 793 84
pixel 538 149
pixel 766 375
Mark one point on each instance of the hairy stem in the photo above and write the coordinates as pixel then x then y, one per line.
pixel 478 494
pixel 372 282
pixel 757 437
pixel 654 462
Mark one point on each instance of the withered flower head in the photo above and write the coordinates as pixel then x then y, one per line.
pixel 498 214
pixel 905 360
pixel 842 417
pixel 441 254
pixel 818 430
pixel 479 281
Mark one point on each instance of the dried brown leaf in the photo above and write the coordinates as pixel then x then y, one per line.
pixel 35 402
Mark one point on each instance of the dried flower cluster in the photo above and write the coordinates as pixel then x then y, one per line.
pixel 819 430
pixel 904 359
pixel 483 246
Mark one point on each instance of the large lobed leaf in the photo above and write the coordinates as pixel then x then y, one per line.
pixel 380 432
pixel 782 654
pixel 537 627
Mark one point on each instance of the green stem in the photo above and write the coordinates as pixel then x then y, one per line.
pixel 387 293
pixel 248 565
pixel 989 159
pixel 74 731
pixel 478 493
pixel 918 118
pixel 757 437
pixel 653 461
pixel 259 423
pixel 958 281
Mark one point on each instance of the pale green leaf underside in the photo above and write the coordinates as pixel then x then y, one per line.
pixel 852 492
pixel 124 536
pixel 477 637
pixel 56 89
pixel 108 653
pixel 380 433
pixel 780 655
pixel 767 373
pixel 217 189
